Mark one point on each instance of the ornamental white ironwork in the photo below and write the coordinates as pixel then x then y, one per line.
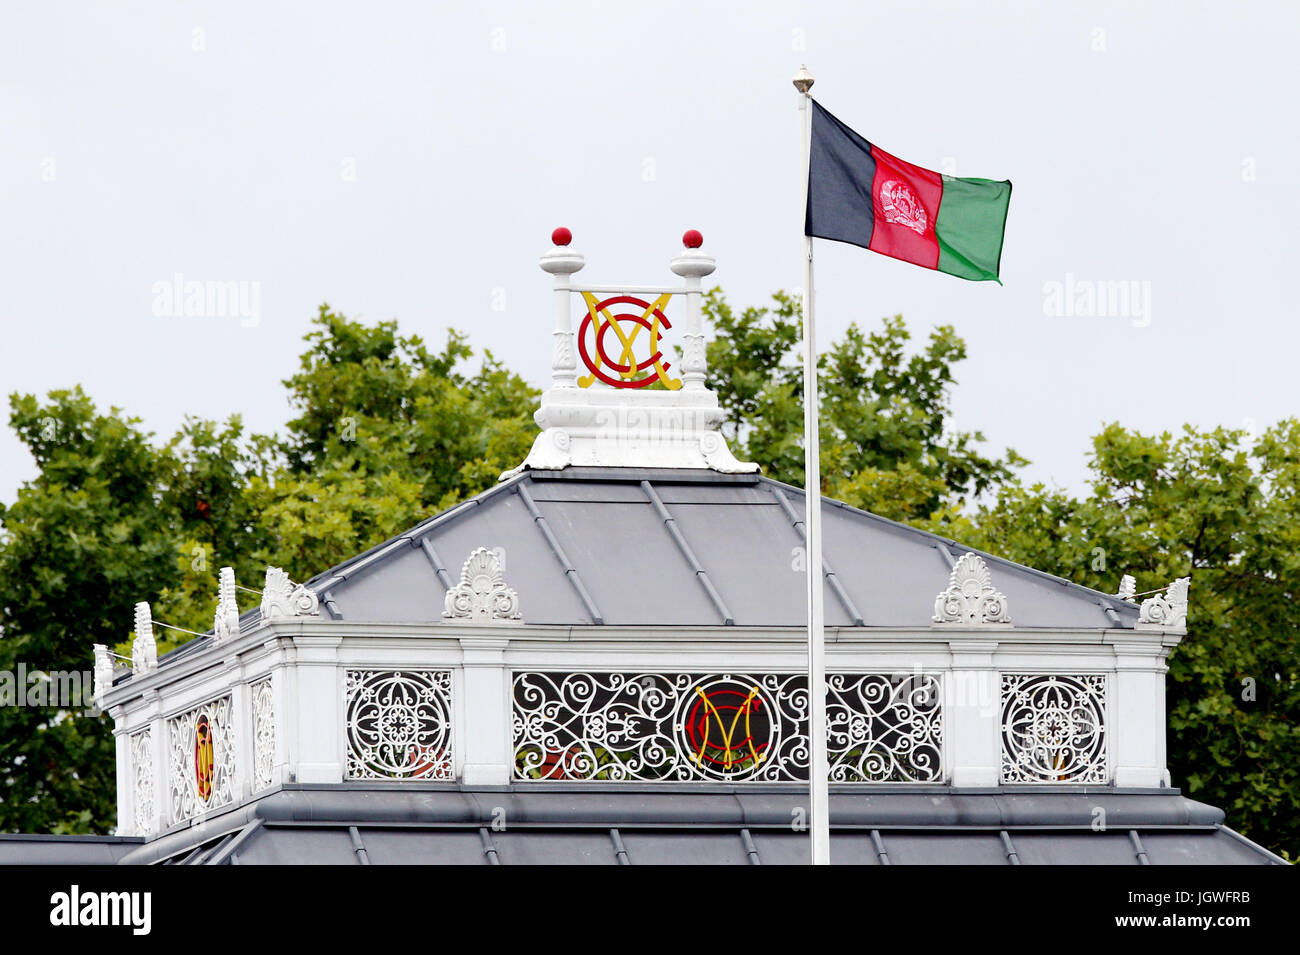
pixel 1053 728
pixel 882 728
pixel 399 724
pixel 729 726
pixel 142 780
pixel 200 760
pixel 263 699
pixel 971 599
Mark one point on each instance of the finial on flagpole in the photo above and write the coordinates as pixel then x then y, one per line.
pixel 803 80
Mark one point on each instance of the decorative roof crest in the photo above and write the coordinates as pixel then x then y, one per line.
pixel 144 648
pixel 971 599
pixel 225 623
pixel 282 598
pixel 1167 611
pixel 482 595
pixel 1127 588
pixel 610 416
pixel 103 673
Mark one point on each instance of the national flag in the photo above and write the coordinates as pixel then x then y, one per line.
pixel 859 193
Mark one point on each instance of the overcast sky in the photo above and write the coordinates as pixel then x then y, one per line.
pixel 409 161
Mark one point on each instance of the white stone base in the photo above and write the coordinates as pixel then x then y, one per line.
pixel 1141 777
pixel 607 427
pixel 975 777
pixel 485 774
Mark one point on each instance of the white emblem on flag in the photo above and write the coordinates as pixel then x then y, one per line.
pixel 900 204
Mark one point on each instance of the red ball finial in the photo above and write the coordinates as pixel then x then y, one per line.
pixel 692 239
pixel 561 236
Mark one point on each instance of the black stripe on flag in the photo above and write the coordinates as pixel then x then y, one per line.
pixel 840 174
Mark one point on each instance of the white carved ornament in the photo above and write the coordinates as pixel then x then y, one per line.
pixel 225 623
pixel 1127 588
pixel 144 648
pixel 1167 611
pixel 693 354
pixel 103 673
pixel 562 359
pixel 142 781
pixel 282 598
pixel 971 598
pixel 482 595
pixel 263 734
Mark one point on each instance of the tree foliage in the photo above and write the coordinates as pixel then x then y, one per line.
pixel 1209 504
pixel 82 542
pixel 1226 511
pixel 387 433
pixel 886 440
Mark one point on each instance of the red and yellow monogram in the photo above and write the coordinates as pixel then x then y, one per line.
pixel 713 728
pixel 625 371
pixel 203 758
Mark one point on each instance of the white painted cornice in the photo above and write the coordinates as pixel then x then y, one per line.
pixel 285 640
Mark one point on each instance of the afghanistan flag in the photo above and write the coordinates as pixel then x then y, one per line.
pixel 859 193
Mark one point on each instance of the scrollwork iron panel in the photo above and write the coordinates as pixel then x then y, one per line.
pixel 200 760
pixel 142 776
pixel 1054 728
pixel 399 724
pixel 726 727
pixel 884 729
pixel 263 699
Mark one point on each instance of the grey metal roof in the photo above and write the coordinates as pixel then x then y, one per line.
pixel 344 825
pixel 64 850
pixel 630 547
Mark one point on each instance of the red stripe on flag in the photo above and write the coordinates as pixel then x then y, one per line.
pixel 906 203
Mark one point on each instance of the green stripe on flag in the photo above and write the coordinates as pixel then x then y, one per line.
pixel 972 219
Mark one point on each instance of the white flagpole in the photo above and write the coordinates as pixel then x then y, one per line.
pixel 818 766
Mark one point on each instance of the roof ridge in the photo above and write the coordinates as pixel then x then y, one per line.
pixel 634 476
pixel 1116 613
pixel 411 534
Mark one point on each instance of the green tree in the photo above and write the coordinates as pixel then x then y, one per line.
pixel 1212 505
pixel 1159 507
pixel 886 444
pixel 85 539
pixel 203 484
pixel 387 433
